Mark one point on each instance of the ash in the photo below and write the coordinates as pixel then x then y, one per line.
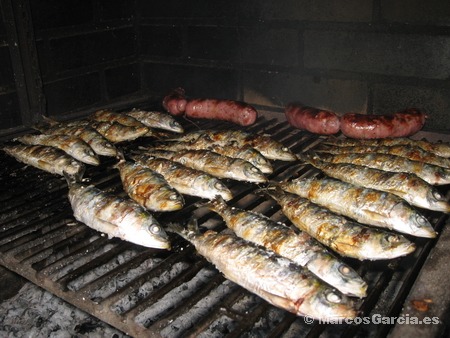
pixel 34 312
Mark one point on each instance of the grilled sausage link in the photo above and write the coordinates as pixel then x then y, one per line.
pixel 237 112
pixel 401 124
pixel 314 120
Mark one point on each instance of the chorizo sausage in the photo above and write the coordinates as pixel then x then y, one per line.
pixel 314 120
pixel 401 124
pixel 226 110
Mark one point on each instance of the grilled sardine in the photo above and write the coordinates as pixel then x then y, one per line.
pixel 345 237
pixel 430 173
pixel 116 217
pixel 275 279
pixel 411 188
pixel 154 119
pixel 215 164
pixel 267 146
pixel 98 143
pixel 148 188
pixel 71 145
pixel 437 148
pixel 244 152
pixel 116 132
pixel 412 153
pixel 284 241
pixel 365 205
pixel 49 159
pixel 186 180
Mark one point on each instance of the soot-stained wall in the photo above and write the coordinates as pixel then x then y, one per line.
pixel 369 56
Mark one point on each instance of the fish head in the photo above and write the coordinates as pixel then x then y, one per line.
pixel 329 303
pixel 253 174
pixel 220 188
pixel 106 148
pixel 344 278
pixel 282 153
pixel 165 199
pixel 411 222
pixel 89 156
pixel 390 246
pixel 176 127
pixel 151 235
pixel 437 200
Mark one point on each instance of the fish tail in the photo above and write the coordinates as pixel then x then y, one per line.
pixel 191 228
pixel 71 179
pixel 216 204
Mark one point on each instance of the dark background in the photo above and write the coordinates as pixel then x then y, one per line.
pixel 65 59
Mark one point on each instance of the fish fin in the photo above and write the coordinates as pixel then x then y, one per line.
pixel 217 203
pixel 72 179
pixel 120 155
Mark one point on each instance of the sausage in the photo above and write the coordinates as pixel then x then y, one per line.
pixel 401 124
pixel 226 110
pixel 175 102
pixel 314 120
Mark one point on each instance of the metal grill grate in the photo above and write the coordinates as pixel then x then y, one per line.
pixel 173 293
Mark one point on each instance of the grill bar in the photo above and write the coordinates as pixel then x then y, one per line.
pixel 171 293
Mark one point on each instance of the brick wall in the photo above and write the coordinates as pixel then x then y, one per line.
pixel 370 56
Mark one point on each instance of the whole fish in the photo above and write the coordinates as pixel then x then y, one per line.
pixel 274 278
pixel 116 217
pixel 244 152
pixel 71 145
pixel 148 188
pixel 345 237
pixel 111 117
pixel 365 205
pixel 155 119
pixel 116 132
pixel 437 148
pixel 411 188
pixel 284 241
pixel 412 153
pixel 217 165
pixel 184 179
pixel 430 173
pixel 49 159
pixel 267 146
pixel 98 143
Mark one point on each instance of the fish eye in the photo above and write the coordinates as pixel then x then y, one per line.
pixel 173 197
pixel 421 220
pixel 437 195
pixel 344 269
pixel 219 186
pixel 333 297
pixel 254 169
pixel 392 239
pixel 154 228
pixel 284 149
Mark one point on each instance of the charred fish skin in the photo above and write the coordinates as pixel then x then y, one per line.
pixel 336 232
pixel 148 188
pixel 411 188
pixel 111 117
pixel 116 217
pixel 155 119
pixel 184 179
pixel 412 153
pixel 430 173
pixel 282 240
pixel 273 278
pixel 245 152
pixel 46 158
pixel 267 146
pixel 215 164
pixel 438 148
pixel 116 132
pixel 365 205
pixel 72 145
pixel 98 143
